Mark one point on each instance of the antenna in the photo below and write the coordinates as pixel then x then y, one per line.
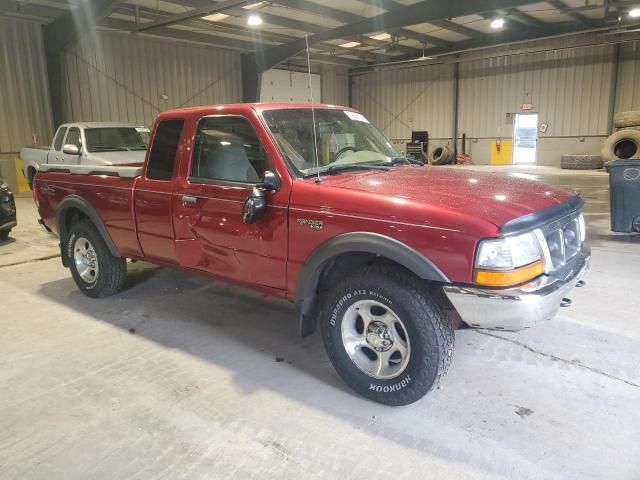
pixel 313 114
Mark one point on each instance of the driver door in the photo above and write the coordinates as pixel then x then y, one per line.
pixel 228 160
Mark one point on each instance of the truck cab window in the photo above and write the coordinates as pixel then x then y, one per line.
pixel 162 157
pixel 228 148
pixel 57 142
pixel 73 137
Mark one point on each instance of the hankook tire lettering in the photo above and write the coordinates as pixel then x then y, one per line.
pixel 396 387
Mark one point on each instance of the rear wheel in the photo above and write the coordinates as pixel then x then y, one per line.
pixel 96 272
pixel 385 336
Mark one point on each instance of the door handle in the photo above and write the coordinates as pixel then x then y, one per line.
pixel 189 200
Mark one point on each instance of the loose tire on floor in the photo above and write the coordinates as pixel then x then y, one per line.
pixel 370 319
pixel 441 156
pixel 627 119
pixel 624 144
pixel 96 272
pixel 581 162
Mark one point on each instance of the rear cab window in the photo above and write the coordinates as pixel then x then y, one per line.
pixel 162 157
pixel 57 141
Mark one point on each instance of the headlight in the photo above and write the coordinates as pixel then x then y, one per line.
pixel 508 261
pixel 583 228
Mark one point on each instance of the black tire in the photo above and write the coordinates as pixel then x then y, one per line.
pixel 627 119
pixel 581 162
pixel 441 156
pixel 430 336
pixel 4 234
pixel 111 272
pixel 623 144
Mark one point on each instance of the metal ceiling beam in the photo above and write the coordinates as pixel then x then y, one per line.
pixel 569 11
pixel 257 36
pixel 457 28
pixel 348 17
pixel 173 33
pixel 421 12
pixel 12 7
pixel 523 17
pixel 208 9
pixel 511 36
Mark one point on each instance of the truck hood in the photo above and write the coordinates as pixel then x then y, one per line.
pixel 115 158
pixel 493 197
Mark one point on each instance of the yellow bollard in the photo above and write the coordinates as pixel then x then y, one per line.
pixel 23 185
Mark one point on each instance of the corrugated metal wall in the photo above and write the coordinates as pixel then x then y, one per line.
pixel 569 88
pixel 628 97
pixel 24 92
pixel 120 77
pixel 401 100
pixel 335 86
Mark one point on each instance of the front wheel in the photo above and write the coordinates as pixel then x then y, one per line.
pixel 4 234
pixel 96 272
pixel 385 336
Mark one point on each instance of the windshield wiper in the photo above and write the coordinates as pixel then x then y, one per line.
pixel 333 169
pixel 402 160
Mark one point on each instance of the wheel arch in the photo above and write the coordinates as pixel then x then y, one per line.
pixel 359 248
pixel 72 207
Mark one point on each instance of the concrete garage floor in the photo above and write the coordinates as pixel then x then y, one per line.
pixel 183 377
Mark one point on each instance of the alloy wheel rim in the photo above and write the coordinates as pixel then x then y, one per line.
pixel 375 339
pixel 85 259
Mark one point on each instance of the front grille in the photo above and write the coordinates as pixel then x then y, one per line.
pixel 563 239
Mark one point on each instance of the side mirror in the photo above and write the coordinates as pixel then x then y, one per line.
pixel 70 149
pixel 270 181
pixel 254 206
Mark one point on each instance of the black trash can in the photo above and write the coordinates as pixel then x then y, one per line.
pixel 624 183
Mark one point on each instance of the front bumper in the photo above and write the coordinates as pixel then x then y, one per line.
pixel 7 224
pixel 520 307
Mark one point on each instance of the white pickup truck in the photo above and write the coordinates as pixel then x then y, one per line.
pixel 89 143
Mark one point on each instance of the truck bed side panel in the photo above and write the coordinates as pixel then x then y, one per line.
pixel 110 196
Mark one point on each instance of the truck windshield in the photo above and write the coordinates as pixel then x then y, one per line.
pixel 343 138
pixel 115 139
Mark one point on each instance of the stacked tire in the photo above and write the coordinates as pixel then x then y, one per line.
pixel 624 143
pixel 441 156
pixel 581 162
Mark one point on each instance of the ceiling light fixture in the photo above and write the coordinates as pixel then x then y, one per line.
pixel 381 36
pixel 497 23
pixel 252 6
pixel 350 44
pixel 254 20
pixel 216 17
pixel 634 12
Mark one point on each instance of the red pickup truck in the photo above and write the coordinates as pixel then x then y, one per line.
pixel 316 206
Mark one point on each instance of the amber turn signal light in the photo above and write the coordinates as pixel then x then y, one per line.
pixel 508 278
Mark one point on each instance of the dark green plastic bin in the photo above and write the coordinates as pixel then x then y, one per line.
pixel 624 183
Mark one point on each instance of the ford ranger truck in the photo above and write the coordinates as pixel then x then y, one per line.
pixel 88 143
pixel 317 207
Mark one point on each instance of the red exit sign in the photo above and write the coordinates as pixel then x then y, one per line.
pixel 527 106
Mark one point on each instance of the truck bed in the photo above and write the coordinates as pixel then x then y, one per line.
pixel 109 194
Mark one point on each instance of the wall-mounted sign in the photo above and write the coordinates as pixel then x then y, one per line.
pixel 543 127
pixel 527 106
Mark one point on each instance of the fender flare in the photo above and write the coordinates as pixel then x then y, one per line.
pixel 356 242
pixel 75 201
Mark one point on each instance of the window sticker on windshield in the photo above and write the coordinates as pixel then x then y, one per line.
pixel 356 116
pixel 142 130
